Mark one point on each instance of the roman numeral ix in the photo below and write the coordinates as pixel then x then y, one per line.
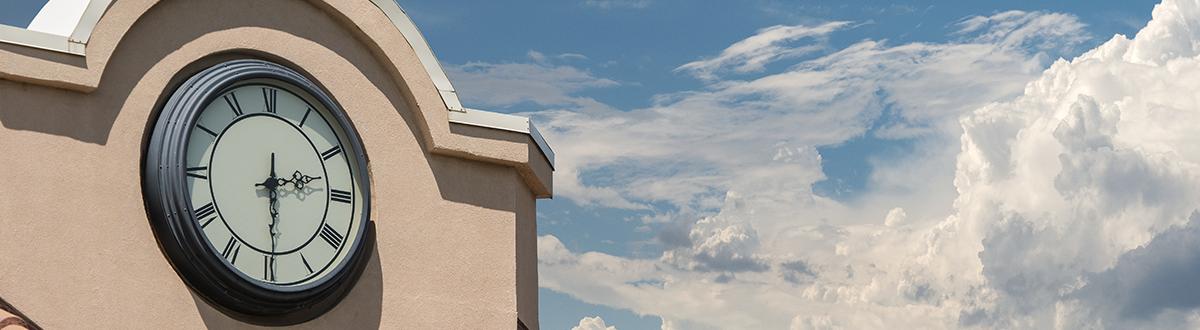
pixel 331 236
pixel 204 212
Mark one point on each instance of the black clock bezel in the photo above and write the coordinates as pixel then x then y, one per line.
pixel 179 235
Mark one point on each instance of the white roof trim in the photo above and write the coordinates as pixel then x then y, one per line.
pixel 59 17
pixel 417 41
pixel 51 23
pixel 504 122
pixel 458 113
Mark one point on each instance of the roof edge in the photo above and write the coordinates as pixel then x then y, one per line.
pixel 75 44
pixel 416 40
pixel 504 122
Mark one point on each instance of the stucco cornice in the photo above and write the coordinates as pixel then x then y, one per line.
pixel 374 28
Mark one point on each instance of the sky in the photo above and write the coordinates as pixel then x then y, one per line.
pixel 770 164
pixel 844 164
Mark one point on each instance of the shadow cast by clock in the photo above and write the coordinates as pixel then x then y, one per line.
pixel 362 308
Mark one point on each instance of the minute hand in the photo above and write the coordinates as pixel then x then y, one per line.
pixel 272 184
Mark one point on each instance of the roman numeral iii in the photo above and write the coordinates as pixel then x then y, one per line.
pixel 340 196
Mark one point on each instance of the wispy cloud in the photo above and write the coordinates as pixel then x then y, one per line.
pixel 1018 29
pixel 768 45
pixel 541 83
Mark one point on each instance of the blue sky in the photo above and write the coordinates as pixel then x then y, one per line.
pixel 774 186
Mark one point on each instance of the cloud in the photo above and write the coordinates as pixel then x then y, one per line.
pixel 1148 282
pixel 690 147
pixel 1018 29
pixel 1069 202
pixel 540 83
pixel 1015 241
pixel 592 323
pixel 614 4
pixel 768 45
pixel 805 261
pixel 895 217
pixel 718 244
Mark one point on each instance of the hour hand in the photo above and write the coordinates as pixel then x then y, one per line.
pixel 272 182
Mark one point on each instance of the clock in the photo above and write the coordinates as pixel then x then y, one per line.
pixel 257 190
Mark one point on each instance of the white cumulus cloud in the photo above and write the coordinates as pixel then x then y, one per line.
pixel 592 323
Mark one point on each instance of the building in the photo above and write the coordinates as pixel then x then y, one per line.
pixel 426 209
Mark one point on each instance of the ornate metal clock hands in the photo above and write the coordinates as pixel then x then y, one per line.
pixel 298 180
pixel 272 184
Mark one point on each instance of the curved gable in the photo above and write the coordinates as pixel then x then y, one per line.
pixel 380 25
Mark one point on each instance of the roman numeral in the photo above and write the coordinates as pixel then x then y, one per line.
pixel 231 250
pixel 205 211
pixel 268 268
pixel 197 175
pixel 270 95
pixel 331 152
pixel 306 112
pixel 340 196
pixel 205 129
pixel 232 101
pixel 331 236
pixel 305 260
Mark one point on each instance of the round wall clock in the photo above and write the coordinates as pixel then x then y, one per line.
pixel 257 189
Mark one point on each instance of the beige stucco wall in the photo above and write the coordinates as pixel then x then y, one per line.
pixel 455 220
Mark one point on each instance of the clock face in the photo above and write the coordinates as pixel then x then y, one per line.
pixel 256 187
pixel 273 189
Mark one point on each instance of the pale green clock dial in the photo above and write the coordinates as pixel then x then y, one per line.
pixel 272 185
